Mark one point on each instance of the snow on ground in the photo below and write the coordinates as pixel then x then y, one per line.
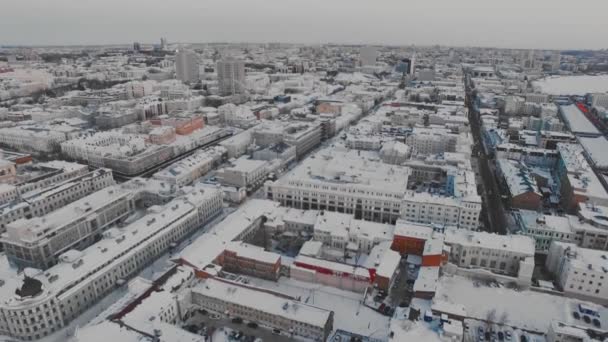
pixel 573 85
pixel 524 309
pixel 349 313
pixel 405 330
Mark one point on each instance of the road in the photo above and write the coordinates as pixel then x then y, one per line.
pixel 495 221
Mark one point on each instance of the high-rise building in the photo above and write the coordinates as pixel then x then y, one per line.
pixel 186 66
pixel 136 46
pixel 368 55
pixel 404 66
pixel 231 76
pixel 163 43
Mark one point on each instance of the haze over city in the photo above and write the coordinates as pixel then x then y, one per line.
pixel 303 171
pixel 557 24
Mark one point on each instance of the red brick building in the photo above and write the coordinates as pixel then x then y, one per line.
pixel 243 258
pixel 409 237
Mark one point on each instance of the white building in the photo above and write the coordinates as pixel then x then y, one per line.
pixel 54 172
pixel 432 141
pixel 459 206
pixel 43 201
pixel 43 302
pixel 244 173
pixel 38 241
pixel 188 170
pixel 511 255
pixel 43 141
pixel 579 272
pixel 599 100
pixel 286 315
pixel 343 232
pixel 344 181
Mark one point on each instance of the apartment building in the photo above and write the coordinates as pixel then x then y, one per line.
pixel 304 136
pixel 38 176
pixel 40 202
pixel 432 141
pixel 244 173
pixel 511 255
pixel 244 258
pixel 39 241
pixel 350 182
pixel 457 205
pixel 189 169
pixel 578 182
pixel 343 232
pixel 579 272
pixel 42 302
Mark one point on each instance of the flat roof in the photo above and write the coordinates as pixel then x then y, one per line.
pixel 207 247
pixel 413 230
pixel 263 301
pixel 118 244
pixel 577 121
pixel 349 167
pixel 513 243
pixel 249 251
pixel 597 150
pixel 36 228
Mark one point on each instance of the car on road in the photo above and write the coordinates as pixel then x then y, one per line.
pixel 252 325
pixel 237 320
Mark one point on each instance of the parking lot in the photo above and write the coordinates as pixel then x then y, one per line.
pixel 214 322
pixel 479 331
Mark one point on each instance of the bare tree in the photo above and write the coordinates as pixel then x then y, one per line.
pixel 490 318
pixel 504 318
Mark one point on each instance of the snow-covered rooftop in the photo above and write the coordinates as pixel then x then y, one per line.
pixel 263 301
pixel 512 243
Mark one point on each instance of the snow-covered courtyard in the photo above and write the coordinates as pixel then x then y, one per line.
pixel 573 85
pixel 527 309
pixel 349 313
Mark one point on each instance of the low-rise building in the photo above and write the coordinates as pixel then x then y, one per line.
pixel 511 255
pixel 277 312
pixel 42 201
pixel 244 258
pixel 37 303
pixel 335 274
pixel 579 272
pixel 244 173
pixel 39 241
pixel 189 169
pixel 28 178
pixel 343 232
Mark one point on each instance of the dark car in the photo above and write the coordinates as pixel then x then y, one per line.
pixel 252 325
pixel 237 320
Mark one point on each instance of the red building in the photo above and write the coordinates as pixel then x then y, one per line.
pixel 410 237
pixel 243 258
pixel 434 254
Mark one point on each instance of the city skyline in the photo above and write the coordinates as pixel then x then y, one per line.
pixel 467 23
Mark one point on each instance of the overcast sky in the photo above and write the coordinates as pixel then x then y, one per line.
pixel 560 24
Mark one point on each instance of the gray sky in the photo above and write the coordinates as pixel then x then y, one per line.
pixel 557 24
